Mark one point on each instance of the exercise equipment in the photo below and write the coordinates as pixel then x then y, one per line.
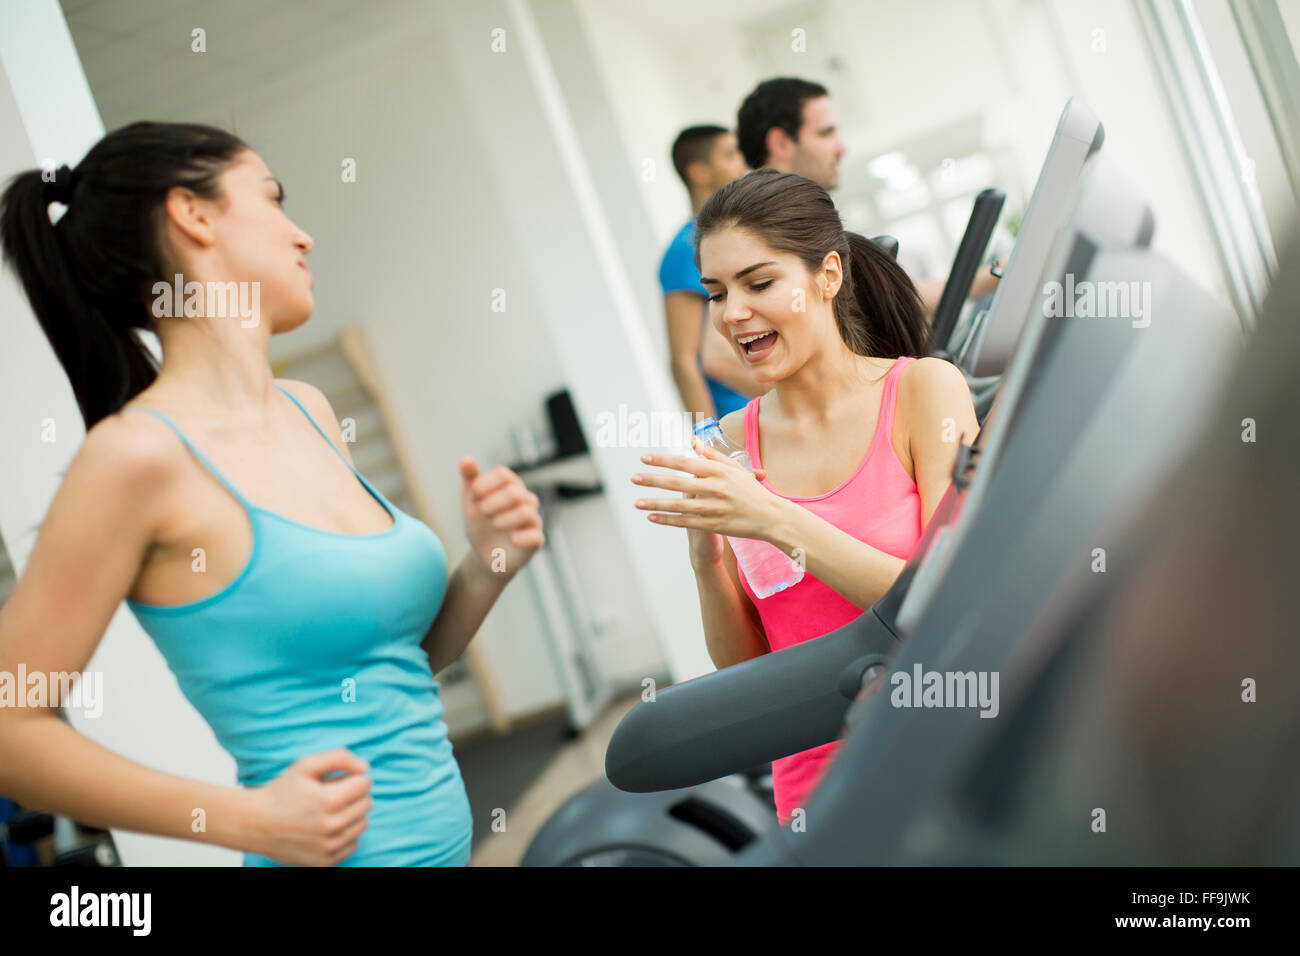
pixel 722 723
pixel 1071 431
pixel 992 337
pixel 888 243
pixel 993 597
pixel 1137 707
pixel 70 843
pixel 705 825
pixel 796 699
pixel 970 253
pixel 982 347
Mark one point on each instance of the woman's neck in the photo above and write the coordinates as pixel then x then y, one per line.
pixel 824 383
pixel 217 366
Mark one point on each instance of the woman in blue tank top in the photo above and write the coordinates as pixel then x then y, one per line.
pixel 311 640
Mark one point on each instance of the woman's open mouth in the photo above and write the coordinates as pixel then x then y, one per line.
pixel 757 345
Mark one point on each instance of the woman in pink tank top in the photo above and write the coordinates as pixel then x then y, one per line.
pixel 852 447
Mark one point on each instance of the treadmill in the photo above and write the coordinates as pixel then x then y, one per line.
pixel 796 699
pixel 924 785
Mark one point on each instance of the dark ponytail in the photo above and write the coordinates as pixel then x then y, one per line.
pixel 889 319
pixel 89 276
pixel 877 310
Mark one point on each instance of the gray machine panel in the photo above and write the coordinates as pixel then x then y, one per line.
pixel 1146 390
pixel 1078 136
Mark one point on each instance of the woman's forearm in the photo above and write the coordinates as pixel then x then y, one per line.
pixel 858 572
pixel 471 592
pixel 728 632
pixel 45 764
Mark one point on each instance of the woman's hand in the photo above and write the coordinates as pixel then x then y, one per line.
pixel 303 820
pixel 721 497
pixel 502 519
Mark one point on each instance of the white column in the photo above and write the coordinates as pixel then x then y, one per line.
pixel 617 180
pixel 592 313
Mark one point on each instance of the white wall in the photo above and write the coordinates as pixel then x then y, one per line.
pixel 414 249
pixel 1104 44
pixel 663 77
pixel 599 116
pixel 583 288
pixel 1262 164
pixel 901 70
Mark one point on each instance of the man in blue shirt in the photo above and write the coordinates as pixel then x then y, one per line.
pixel 709 375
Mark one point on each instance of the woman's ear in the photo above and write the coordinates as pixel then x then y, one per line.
pixel 833 270
pixel 190 215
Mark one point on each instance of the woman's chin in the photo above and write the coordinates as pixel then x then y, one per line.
pixel 767 370
pixel 293 320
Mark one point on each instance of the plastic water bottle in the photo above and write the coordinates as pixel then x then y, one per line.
pixel 767 568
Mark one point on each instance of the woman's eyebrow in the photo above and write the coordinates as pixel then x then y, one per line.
pixel 743 272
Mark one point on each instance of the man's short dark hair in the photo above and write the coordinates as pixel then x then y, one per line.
pixel 774 103
pixel 693 145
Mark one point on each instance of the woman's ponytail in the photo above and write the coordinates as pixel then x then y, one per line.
pixel 888 318
pixel 105 363
pixel 89 276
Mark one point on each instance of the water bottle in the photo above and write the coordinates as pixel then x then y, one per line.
pixel 767 568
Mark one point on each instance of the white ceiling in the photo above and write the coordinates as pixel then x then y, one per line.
pixel 137 56
pixel 670 19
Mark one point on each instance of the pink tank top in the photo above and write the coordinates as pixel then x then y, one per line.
pixel 878 504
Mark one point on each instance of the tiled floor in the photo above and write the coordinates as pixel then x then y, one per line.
pixel 576 765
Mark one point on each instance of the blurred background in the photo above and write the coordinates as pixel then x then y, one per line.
pixel 489 189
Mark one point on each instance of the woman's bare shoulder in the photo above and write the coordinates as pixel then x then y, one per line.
pixel 318 405
pixel 931 374
pixel 733 426
pixel 305 392
pixel 930 383
pixel 931 390
pixel 129 441
pixel 130 460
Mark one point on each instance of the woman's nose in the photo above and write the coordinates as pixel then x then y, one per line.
pixel 735 310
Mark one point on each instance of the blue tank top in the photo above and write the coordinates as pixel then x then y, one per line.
pixel 316 645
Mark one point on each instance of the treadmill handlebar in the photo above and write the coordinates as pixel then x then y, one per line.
pixel 961 277
pixel 748 714
pixel 770 706
pixel 858 673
